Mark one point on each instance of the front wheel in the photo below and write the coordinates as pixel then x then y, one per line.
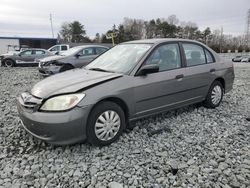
pixel 9 63
pixel 105 124
pixel 214 96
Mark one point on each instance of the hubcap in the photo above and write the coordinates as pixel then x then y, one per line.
pixel 8 63
pixel 107 125
pixel 216 95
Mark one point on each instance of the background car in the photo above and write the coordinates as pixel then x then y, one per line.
pixel 26 57
pixel 245 59
pixel 57 49
pixel 237 59
pixel 130 81
pixel 73 58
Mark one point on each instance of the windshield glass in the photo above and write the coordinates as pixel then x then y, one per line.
pixel 122 58
pixel 71 51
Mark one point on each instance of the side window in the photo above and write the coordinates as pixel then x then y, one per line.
pixel 86 52
pixel 55 49
pixel 64 48
pixel 100 50
pixel 39 52
pixel 27 52
pixel 166 56
pixel 209 57
pixel 194 54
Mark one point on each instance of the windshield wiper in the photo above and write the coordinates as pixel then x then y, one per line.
pixel 99 69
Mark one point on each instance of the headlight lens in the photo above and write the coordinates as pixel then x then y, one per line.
pixel 63 102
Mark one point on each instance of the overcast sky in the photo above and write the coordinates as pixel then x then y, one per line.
pixel 31 17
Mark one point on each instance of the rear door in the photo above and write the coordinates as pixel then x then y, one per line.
pixel 39 54
pixel 200 70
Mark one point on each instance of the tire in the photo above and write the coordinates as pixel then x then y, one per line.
pixel 9 63
pixel 66 67
pixel 100 124
pixel 215 95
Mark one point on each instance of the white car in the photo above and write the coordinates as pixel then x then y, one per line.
pixel 245 59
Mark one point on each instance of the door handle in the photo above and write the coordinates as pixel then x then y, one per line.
pixel 212 70
pixel 179 76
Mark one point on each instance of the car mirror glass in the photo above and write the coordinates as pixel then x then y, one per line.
pixel 148 69
pixel 77 56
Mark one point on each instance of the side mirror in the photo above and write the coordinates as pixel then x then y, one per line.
pixel 148 69
pixel 57 53
pixel 20 54
pixel 77 56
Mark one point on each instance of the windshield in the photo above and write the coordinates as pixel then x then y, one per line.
pixel 122 58
pixel 71 51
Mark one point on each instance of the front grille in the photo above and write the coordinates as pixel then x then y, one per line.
pixel 42 71
pixel 29 101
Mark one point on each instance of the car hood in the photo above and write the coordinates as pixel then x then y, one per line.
pixel 52 58
pixel 70 81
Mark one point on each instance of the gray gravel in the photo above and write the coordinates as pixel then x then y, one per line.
pixel 199 148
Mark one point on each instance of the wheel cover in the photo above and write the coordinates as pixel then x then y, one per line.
pixel 216 95
pixel 107 125
pixel 8 63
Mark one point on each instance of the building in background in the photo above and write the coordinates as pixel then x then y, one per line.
pixel 15 43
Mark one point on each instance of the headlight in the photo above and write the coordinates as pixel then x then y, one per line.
pixel 62 102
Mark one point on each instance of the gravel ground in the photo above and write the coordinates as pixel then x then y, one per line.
pixel 189 147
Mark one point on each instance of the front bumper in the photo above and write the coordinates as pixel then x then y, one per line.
pixel 58 128
pixel 48 70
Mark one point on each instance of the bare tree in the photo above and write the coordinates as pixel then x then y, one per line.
pixel 173 20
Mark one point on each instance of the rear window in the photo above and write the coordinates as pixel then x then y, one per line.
pixel 100 50
pixel 39 52
pixel 209 56
pixel 63 48
pixel 194 54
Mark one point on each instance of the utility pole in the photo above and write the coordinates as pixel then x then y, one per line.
pixel 221 38
pixel 247 37
pixel 51 24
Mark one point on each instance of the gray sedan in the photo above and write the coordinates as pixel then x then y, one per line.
pixel 130 81
pixel 73 58
pixel 26 57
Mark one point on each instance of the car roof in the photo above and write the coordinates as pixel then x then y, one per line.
pixel 160 40
pixel 34 49
pixel 87 46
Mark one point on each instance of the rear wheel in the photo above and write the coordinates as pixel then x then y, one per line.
pixel 66 67
pixel 9 63
pixel 106 123
pixel 215 95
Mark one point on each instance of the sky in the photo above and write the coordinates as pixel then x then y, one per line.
pixel 30 18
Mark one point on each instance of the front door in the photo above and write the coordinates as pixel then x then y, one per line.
pixel 162 90
pixel 84 57
pixel 25 57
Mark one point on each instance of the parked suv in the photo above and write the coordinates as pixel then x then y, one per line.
pixel 130 81
pixel 73 58
pixel 26 57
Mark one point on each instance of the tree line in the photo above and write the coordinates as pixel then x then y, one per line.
pixel 171 27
